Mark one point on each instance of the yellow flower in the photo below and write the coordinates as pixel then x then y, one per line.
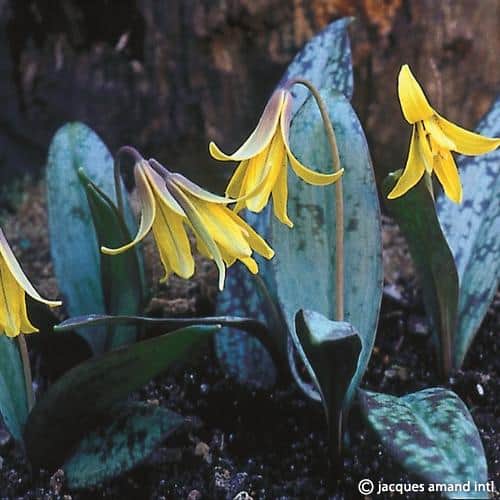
pixel 14 285
pixel 433 138
pixel 170 204
pixel 263 158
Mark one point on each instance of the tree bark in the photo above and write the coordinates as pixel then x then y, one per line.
pixel 168 76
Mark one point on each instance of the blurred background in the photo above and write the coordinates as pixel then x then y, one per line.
pixel 169 75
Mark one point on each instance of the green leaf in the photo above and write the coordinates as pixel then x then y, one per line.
pixel 415 214
pixel 120 444
pixel 73 244
pixel 431 434
pixel 13 400
pixel 123 280
pixel 254 328
pixel 325 61
pixel 473 233
pixel 304 265
pixel 76 403
pixel 330 351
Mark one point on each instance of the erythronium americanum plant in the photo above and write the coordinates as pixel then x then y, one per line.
pixel 85 422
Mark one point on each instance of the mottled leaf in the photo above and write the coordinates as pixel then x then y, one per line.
pixel 119 444
pixel 83 396
pixel 416 215
pixel 330 351
pixel 73 244
pixel 13 401
pixel 325 61
pixel 431 434
pixel 473 233
pixel 304 265
pixel 122 276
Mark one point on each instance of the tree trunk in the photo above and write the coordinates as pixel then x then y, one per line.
pixel 168 76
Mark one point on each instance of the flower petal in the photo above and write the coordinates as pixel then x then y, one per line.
pixel 9 302
pixel 413 172
pixel 251 265
pixel 256 241
pixel 260 137
pixel 424 149
pixel 235 186
pixel 198 192
pixel 276 155
pixel 443 141
pixel 26 326
pixel 148 211
pixel 173 243
pixel 414 104
pixel 201 232
pixel 309 176
pixel 280 196
pixel 159 188
pixel 466 142
pixel 447 173
pixel 13 266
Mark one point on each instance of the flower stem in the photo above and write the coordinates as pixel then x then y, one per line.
pixel 339 197
pixel 23 350
pixel 117 173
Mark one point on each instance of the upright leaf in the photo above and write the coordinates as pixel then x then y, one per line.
pixel 304 265
pixel 121 443
pixel 73 242
pixel 330 351
pixel 325 61
pixel 416 215
pixel 122 276
pixel 431 434
pixel 13 400
pixel 85 395
pixel 473 233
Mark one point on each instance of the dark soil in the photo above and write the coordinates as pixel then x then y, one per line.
pixel 271 445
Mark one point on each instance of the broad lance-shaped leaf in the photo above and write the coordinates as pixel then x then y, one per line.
pixel 78 401
pixel 473 233
pixel 325 61
pixel 256 329
pixel 73 244
pixel 13 401
pixel 123 280
pixel 416 215
pixel 431 434
pixel 304 265
pixel 330 351
pixel 121 443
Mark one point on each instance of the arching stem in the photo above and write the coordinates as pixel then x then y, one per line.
pixel 124 150
pixel 339 196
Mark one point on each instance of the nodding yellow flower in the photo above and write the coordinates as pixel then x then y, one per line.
pixel 170 204
pixel 14 285
pixel 433 138
pixel 263 158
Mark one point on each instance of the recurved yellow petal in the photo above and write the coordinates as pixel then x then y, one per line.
pixel 260 137
pixel 413 172
pixel 173 243
pixel 160 191
pixel 13 266
pixel 311 177
pixel 424 149
pixel 269 172
pixel 148 211
pixel 255 240
pixel 414 104
pixel 280 196
pixel 466 142
pixel 250 264
pixel 26 326
pixel 198 192
pixel 447 174
pixel 235 187
pixel 201 232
